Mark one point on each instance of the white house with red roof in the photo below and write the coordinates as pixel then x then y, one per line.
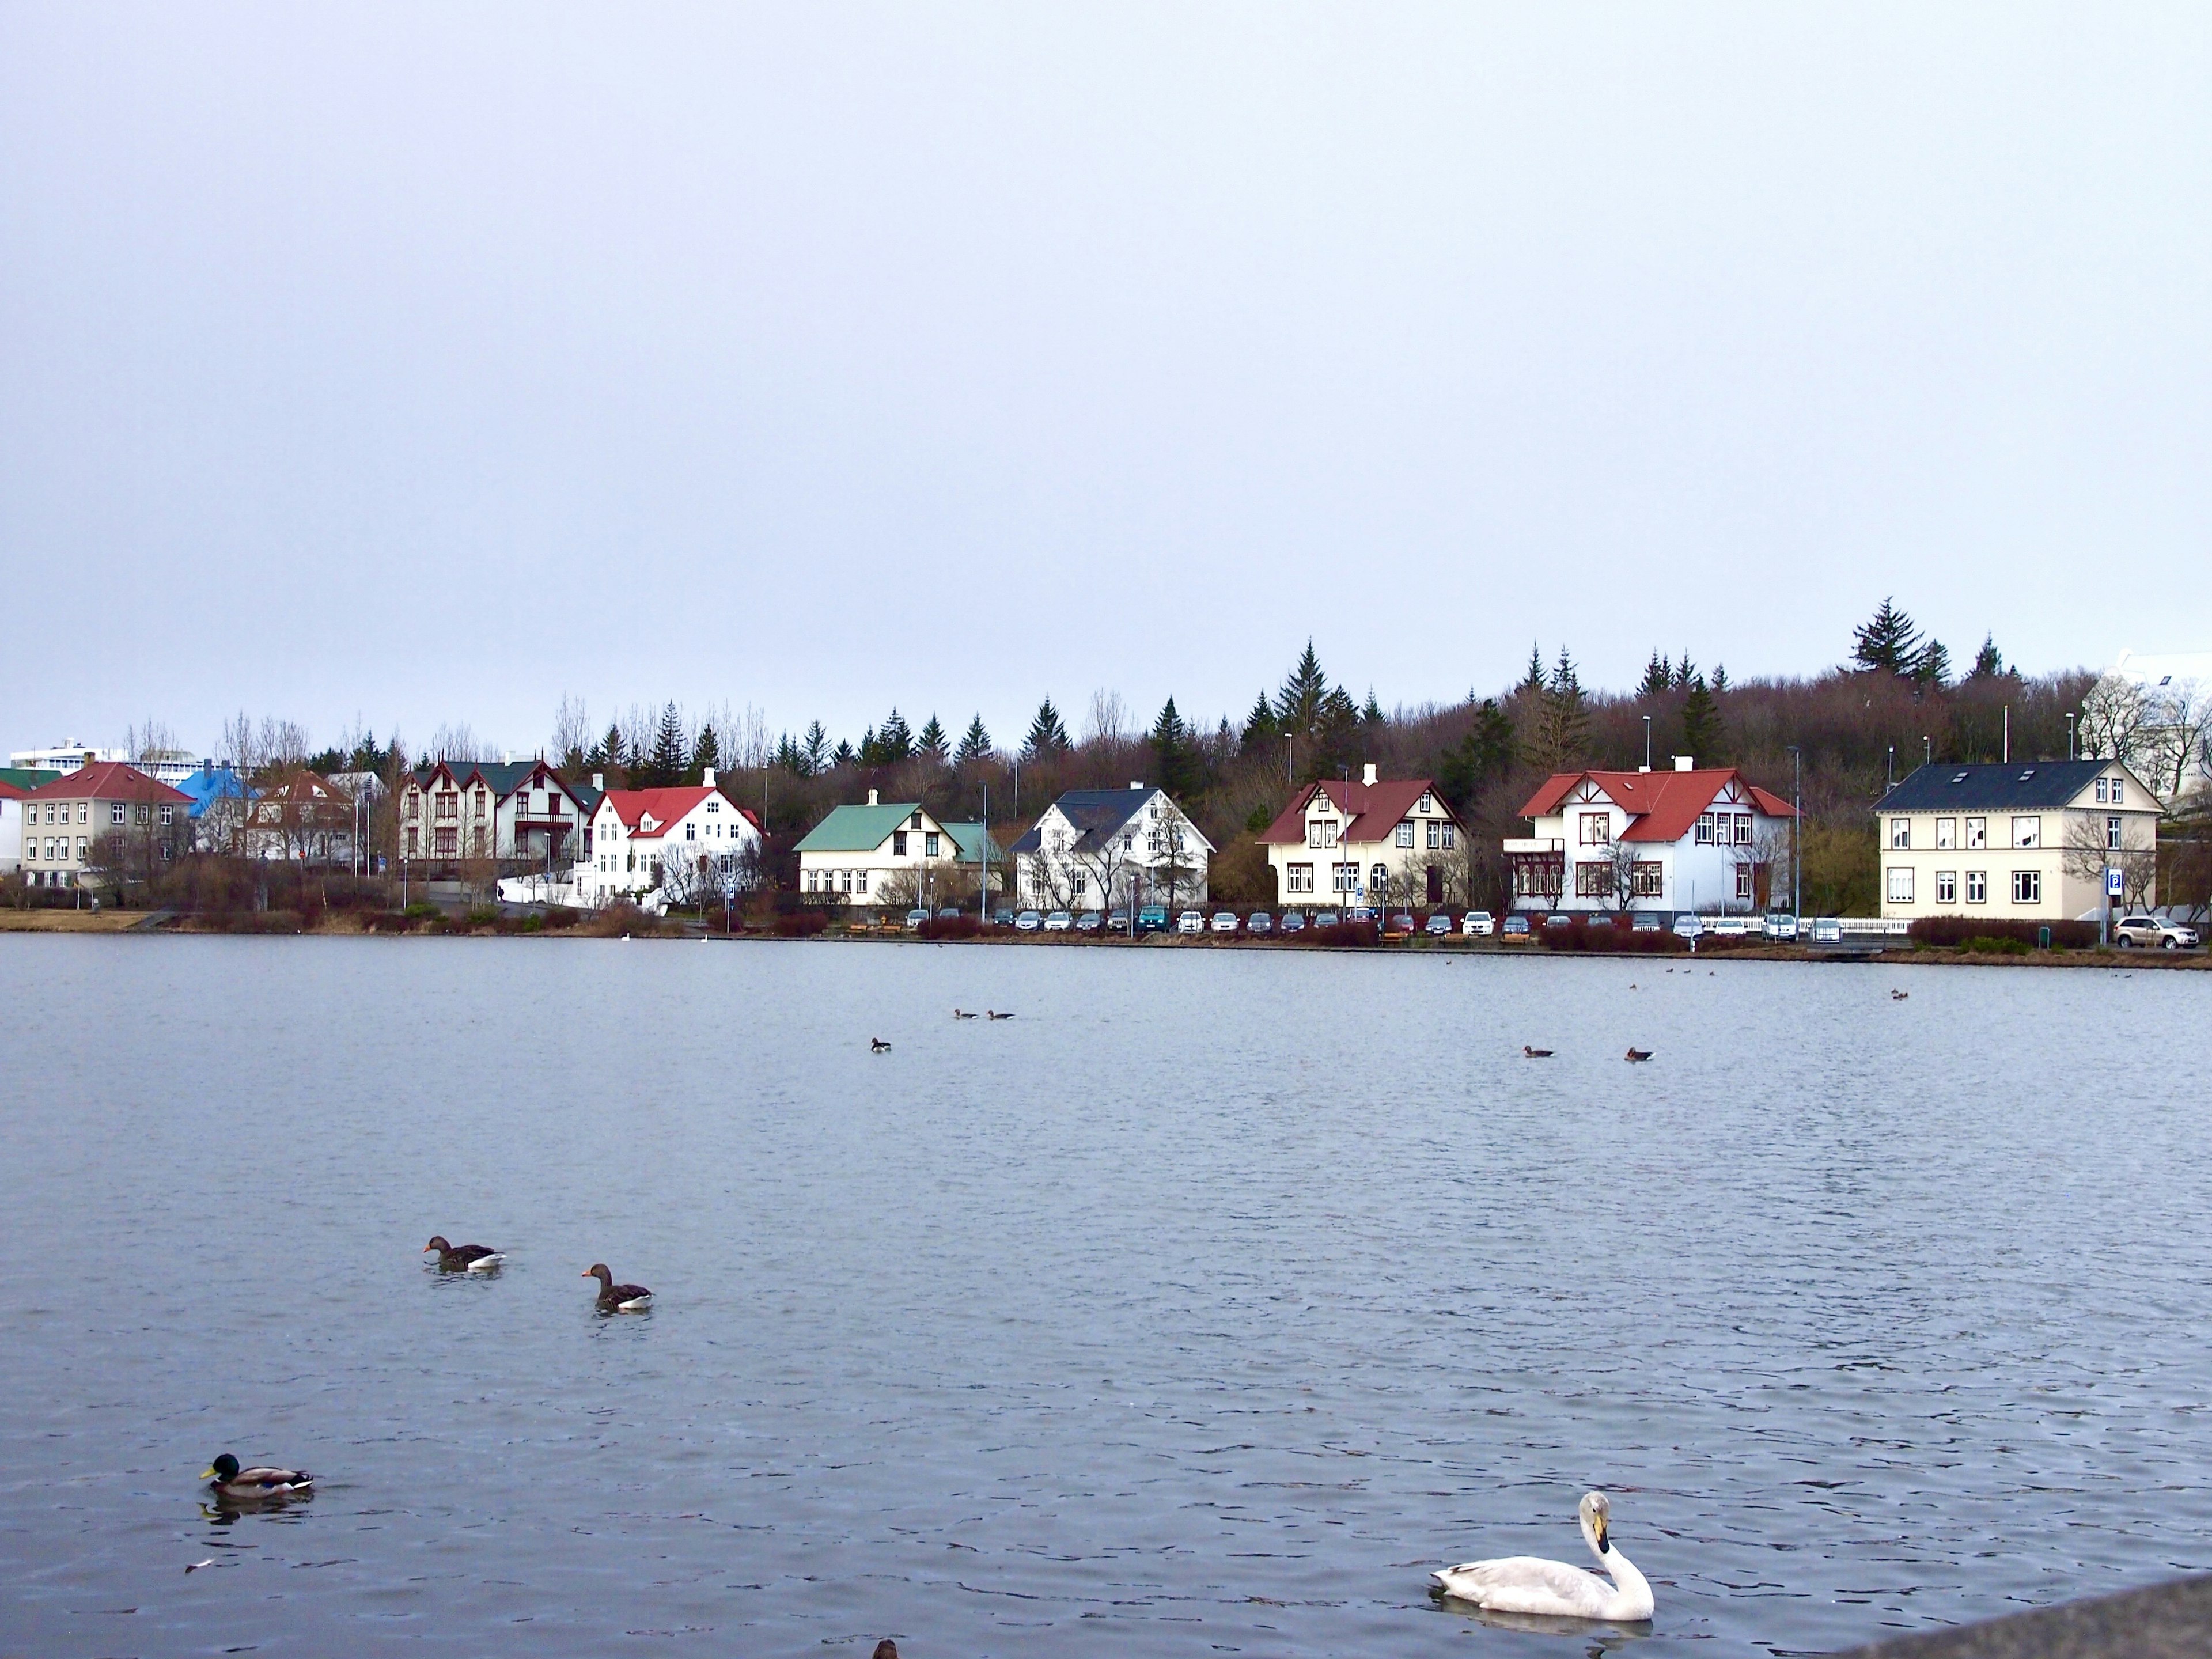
pixel 1372 843
pixel 64 820
pixel 1695 838
pixel 680 843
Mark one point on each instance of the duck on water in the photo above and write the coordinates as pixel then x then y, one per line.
pixel 617 1298
pixel 463 1258
pixel 258 1484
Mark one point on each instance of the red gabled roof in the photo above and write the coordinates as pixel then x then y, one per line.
pixel 1664 804
pixel 109 781
pixel 1374 809
pixel 666 806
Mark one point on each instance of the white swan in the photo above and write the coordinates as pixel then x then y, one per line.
pixel 1525 1584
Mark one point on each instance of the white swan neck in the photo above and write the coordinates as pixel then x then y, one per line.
pixel 1633 1594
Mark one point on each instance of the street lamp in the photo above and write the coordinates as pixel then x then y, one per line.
pixel 1647 743
pixel 2069 735
pixel 1797 835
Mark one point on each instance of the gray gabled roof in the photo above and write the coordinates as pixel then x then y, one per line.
pixel 2005 786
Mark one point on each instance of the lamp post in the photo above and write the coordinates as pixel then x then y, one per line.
pixel 1647 743
pixel 1796 836
pixel 2069 734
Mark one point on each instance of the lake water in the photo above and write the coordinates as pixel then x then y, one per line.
pixel 1202 1308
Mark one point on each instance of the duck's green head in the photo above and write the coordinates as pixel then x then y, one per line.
pixel 224 1467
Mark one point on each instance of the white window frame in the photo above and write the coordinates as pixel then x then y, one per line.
pixel 1900 835
pixel 1978 887
pixel 1947 887
pixel 1900 886
pixel 2028 887
pixel 1978 834
pixel 2026 832
pixel 1947 834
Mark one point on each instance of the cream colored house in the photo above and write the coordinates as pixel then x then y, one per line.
pixel 1377 841
pixel 894 852
pixel 2023 841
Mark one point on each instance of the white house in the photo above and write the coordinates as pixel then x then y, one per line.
pixel 1097 849
pixel 2025 840
pixel 687 842
pixel 1366 843
pixel 519 812
pixel 891 853
pixel 1695 838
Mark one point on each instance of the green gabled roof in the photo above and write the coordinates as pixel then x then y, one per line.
pixel 858 829
pixel 26 778
pixel 864 829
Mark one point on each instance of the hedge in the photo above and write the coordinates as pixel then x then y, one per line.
pixel 1955 932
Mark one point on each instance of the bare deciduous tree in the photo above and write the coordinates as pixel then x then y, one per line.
pixel 2088 853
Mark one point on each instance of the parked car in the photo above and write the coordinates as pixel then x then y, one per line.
pixel 1438 926
pixel 1258 922
pixel 1118 922
pixel 1688 925
pixel 1648 921
pixel 1399 927
pixel 1087 922
pixel 1152 919
pixel 914 919
pixel 1478 924
pixel 950 913
pixel 1029 922
pixel 1328 919
pixel 1060 921
pixel 2153 932
pixel 1559 919
pixel 1779 926
pixel 1731 926
pixel 1516 930
pixel 1002 918
pixel 1224 921
pixel 1294 921
pixel 1191 921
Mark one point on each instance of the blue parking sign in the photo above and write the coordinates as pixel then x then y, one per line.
pixel 2112 883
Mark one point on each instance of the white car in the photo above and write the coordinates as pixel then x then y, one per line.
pixel 2154 933
pixel 1060 921
pixel 1478 924
pixel 1224 921
pixel 1191 921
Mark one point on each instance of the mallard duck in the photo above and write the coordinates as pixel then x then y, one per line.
pixel 231 1481
pixel 1528 1583
pixel 463 1258
pixel 619 1299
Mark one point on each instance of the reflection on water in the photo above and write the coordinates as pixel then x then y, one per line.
pixel 1207 1306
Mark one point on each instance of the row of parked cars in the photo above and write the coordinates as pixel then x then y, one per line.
pixel 1157 918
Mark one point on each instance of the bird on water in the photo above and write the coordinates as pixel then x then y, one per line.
pixel 260 1482
pixel 1637 1055
pixel 617 1298
pixel 995 1014
pixel 1526 1053
pixel 1528 1583
pixel 961 1013
pixel 463 1258
pixel 878 1046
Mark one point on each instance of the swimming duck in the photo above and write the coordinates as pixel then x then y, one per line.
pixel 961 1013
pixel 1636 1054
pixel 463 1258
pixel 619 1299
pixel 995 1014
pixel 1528 1583
pixel 1898 996
pixel 231 1481
pixel 878 1046
pixel 1526 1053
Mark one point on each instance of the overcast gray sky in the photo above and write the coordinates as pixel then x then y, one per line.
pixel 425 363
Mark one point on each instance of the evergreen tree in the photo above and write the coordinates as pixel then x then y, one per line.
pixel 975 745
pixel 1047 735
pixel 896 742
pixel 1563 717
pixel 1336 743
pixel 1298 704
pixel 1531 678
pixel 707 752
pixel 933 745
pixel 1932 666
pixel 1372 714
pixel 1701 722
pixel 815 748
pixel 667 764
pixel 789 757
pixel 1658 678
pixel 843 755
pixel 608 751
pixel 871 750
pixel 1685 671
pixel 1720 680
pixel 1260 731
pixel 1988 664
pixel 1479 759
pixel 1889 642
pixel 1175 754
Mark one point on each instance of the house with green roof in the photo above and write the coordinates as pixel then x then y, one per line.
pixel 894 853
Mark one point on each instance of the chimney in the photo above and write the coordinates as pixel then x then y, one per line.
pixel 1367 774
pixel 599 782
pixel 1685 764
pixel 1643 768
pixel 1136 783
pixel 871 797
pixel 710 777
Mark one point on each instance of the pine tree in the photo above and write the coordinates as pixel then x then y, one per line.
pixel 1298 704
pixel 815 747
pixel 707 752
pixel 666 764
pixel 933 745
pixel 1931 665
pixel 1701 722
pixel 1336 742
pixel 975 745
pixel 1477 760
pixel 1532 679
pixel 872 748
pixel 1563 718
pixel 1988 664
pixel 1720 680
pixel 1260 731
pixel 843 755
pixel 1047 735
pixel 1658 678
pixel 1685 671
pixel 607 753
pixel 1888 643
pixel 1372 714
pixel 1175 753
pixel 789 757
pixel 894 740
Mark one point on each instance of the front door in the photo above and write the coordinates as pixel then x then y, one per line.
pixel 1436 884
